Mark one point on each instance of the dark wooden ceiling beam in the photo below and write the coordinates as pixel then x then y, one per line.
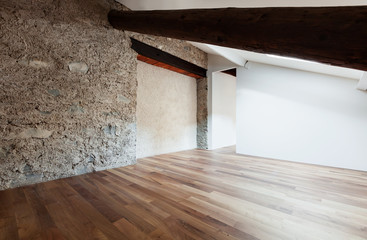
pixel 166 66
pixel 178 65
pixel 232 72
pixel 333 35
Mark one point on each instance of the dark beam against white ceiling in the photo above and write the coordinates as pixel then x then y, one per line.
pixel 332 35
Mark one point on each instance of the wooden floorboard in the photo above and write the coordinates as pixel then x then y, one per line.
pixel 194 194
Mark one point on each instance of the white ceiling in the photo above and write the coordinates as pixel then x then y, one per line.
pixel 239 57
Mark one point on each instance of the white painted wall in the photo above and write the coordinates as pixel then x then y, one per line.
pixel 218 119
pixel 223 110
pixel 301 116
pixel 166 111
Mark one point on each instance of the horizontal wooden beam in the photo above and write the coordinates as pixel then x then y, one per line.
pixel 166 66
pixel 170 61
pixel 232 72
pixel 333 35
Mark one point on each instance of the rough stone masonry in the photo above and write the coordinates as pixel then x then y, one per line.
pixel 67 90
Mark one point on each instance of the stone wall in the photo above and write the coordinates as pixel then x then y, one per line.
pixel 67 90
pixel 179 48
pixel 202 113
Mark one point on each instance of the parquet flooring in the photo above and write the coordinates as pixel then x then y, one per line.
pixel 194 194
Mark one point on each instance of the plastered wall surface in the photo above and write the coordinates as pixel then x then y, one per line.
pixel 166 111
pixel 221 116
pixel 301 116
pixel 224 110
pixel 192 54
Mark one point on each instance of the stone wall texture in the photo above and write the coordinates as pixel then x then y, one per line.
pixel 68 89
pixel 179 48
pixel 202 113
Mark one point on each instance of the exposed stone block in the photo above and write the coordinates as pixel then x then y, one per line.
pixel 80 67
pixel 3 153
pixel 123 99
pixel 54 92
pixel 76 108
pixel 38 64
pixel 35 133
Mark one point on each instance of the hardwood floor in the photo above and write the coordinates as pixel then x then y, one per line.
pixel 193 195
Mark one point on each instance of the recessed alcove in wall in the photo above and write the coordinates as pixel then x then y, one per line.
pixel 223 117
pixel 166 111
